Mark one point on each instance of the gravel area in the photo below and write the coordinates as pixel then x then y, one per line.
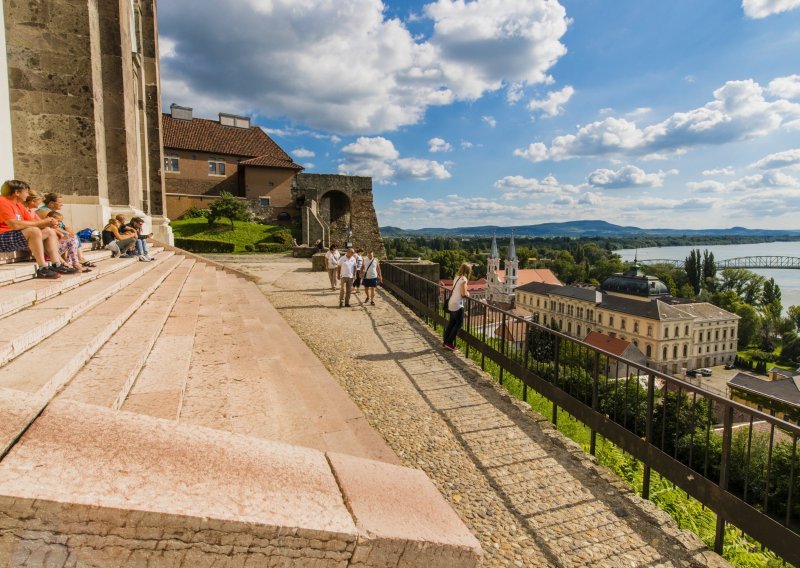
pixel 532 497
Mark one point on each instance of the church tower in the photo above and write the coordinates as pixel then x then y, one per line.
pixel 512 268
pixel 493 284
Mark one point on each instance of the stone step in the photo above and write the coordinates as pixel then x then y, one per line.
pixel 204 399
pixel 107 377
pixel 274 386
pixel 48 366
pixel 23 329
pixel 19 295
pixel 158 391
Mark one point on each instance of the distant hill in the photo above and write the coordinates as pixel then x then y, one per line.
pixel 588 228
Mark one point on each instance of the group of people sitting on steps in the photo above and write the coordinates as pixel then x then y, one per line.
pixel 350 270
pixel 34 222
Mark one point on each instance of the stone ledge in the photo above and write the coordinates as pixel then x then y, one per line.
pixel 98 487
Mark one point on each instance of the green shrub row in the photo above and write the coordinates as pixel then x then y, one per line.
pixel 273 247
pixel 198 245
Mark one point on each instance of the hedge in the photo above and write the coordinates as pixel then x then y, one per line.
pixel 201 245
pixel 273 247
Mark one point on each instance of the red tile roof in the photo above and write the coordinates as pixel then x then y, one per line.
pixel 472 285
pixel 528 275
pixel 613 345
pixel 271 162
pixel 203 135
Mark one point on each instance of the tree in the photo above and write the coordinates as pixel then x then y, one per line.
pixel 771 294
pixel 449 261
pixel 746 284
pixel 790 348
pixel 694 270
pixel 228 207
pixel 749 324
pixel 794 316
pixel 709 271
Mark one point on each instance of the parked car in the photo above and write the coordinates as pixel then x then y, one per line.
pixel 705 372
pixel 730 366
pixel 692 373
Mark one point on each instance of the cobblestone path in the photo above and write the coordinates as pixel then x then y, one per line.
pixel 531 497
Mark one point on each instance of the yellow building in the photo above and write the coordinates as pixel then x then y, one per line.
pixel 673 333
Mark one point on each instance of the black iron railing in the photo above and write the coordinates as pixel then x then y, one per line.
pixel 739 462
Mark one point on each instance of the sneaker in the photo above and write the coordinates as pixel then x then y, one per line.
pixel 64 269
pixel 130 254
pixel 147 258
pixel 341 305
pixel 114 248
pixel 47 272
pixel 449 347
pixel 347 305
pixel 371 303
pixel 143 258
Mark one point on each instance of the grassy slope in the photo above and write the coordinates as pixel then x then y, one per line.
pixel 244 234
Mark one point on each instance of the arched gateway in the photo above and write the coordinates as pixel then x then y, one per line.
pixel 338 209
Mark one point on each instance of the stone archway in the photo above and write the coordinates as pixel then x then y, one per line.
pixel 334 209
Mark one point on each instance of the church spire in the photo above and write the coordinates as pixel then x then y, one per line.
pixel 512 250
pixel 494 254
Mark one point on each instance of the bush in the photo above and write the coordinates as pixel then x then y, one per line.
pixel 249 248
pixel 273 247
pixel 282 237
pixel 195 213
pixel 197 245
pixel 228 207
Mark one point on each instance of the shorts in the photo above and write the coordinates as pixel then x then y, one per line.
pixel 370 282
pixel 13 240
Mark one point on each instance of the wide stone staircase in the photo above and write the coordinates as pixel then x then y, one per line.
pixel 164 414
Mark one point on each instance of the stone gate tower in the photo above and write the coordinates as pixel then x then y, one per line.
pixel 338 209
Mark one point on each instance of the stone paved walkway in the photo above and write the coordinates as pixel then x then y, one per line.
pixel 530 496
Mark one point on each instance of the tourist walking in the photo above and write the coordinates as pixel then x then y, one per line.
pixel 371 275
pixel 332 264
pixel 455 306
pixel 359 266
pixel 346 273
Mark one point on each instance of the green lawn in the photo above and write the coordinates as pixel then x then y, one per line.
pixel 244 234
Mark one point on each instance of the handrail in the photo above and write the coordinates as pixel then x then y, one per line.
pixel 748 478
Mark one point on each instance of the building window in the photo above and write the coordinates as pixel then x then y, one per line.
pixel 172 164
pixel 264 201
pixel 649 331
pixel 569 327
pixel 686 330
pixel 578 331
pixel 666 333
pixel 636 327
pixel 649 351
pixel 610 321
pixel 216 167
pixel 685 350
pixel 622 323
pixel 674 351
pixel 664 353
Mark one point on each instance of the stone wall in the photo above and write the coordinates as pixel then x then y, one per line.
pixel 425 268
pixel 362 218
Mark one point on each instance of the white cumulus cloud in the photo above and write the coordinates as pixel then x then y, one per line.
pixel 489 120
pixel 437 144
pixel 378 158
pixel 351 67
pixel 726 171
pixel 626 177
pixel 779 160
pixel 553 103
pixel 758 9
pixel 786 87
pixel 739 111
pixel 514 187
pixel 303 153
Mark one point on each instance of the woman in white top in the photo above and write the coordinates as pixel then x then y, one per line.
pixel 455 306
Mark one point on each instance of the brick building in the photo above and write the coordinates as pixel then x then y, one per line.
pixel 203 158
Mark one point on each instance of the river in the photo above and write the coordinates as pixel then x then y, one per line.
pixel 787 279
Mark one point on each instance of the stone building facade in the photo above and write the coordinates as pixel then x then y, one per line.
pixel 83 103
pixel 338 209
pixel 673 333
pixel 203 158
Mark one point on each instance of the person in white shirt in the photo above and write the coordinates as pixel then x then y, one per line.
pixel 455 306
pixel 359 265
pixel 332 264
pixel 370 275
pixel 346 273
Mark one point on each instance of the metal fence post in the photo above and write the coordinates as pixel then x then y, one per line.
pixel 555 377
pixel 651 393
pixel 526 346
pixel 724 471
pixel 503 343
pixel 595 400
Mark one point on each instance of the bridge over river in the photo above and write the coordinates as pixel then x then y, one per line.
pixel 750 262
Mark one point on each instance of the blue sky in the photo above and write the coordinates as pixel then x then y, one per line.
pixel 638 112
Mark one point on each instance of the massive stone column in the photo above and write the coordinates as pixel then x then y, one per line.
pixel 6 155
pixel 57 114
pixel 154 154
